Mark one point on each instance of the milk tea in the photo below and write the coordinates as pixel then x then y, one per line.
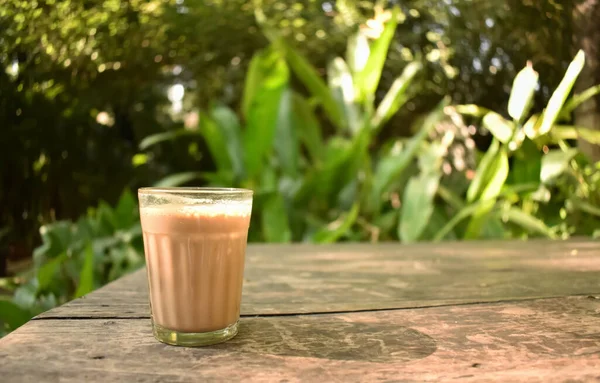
pixel 195 261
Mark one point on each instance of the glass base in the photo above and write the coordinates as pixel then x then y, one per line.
pixel 194 339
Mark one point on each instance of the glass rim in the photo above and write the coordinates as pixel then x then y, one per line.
pixel 196 190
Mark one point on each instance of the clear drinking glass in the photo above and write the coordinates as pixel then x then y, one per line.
pixel 195 245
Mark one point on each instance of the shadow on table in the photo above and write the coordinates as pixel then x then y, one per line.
pixel 331 338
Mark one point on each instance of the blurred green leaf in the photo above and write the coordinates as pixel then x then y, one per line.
pixel 311 79
pixel 357 52
pixel 584 206
pixel 561 93
pixel 25 294
pixel 526 164
pixel 471 110
pixel 501 128
pixel 262 117
pixel 391 167
pixel 554 163
pixel 579 99
pixel 166 136
pixel 417 205
pixel 139 159
pixel 47 272
pixel 230 129
pixel 275 223
pixel 86 276
pixel 483 172
pixel 326 180
pixel 527 222
pixel 338 228
pixel 387 222
pixel 461 215
pixel 216 142
pixel 521 95
pixel 178 179
pixel 340 83
pixel 396 97
pixel 494 181
pixel 438 220
pixel 368 79
pixel 13 315
pixel 450 197
pixel 498 177
pixel 286 140
pixel 307 127
pixel 254 77
pixel 562 132
pixel 479 219
pixel 126 211
pixel 106 217
pixel 56 237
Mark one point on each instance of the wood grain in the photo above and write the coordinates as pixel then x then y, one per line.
pixel 295 279
pixel 543 340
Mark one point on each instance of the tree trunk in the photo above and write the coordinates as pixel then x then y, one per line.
pixel 586 27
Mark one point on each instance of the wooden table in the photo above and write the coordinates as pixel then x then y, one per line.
pixel 479 311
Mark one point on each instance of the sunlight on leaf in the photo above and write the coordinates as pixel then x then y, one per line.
pixel 521 95
pixel 501 128
pixel 554 163
pixel 417 205
pixel 561 93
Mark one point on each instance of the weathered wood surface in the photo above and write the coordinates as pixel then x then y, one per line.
pixel 295 279
pixel 543 340
pixel 494 311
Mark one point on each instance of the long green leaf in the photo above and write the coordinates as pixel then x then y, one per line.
pixel 313 82
pixel 562 132
pixel 13 315
pixel 275 223
pixel 521 95
pixel 262 118
pixel 307 127
pixel 561 93
pixel 396 96
pixel 251 84
pixel 358 52
pixel 86 276
pixel 498 172
pixel 178 179
pixel 340 83
pixel 126 210
pixel 482 173
pixel 230 128
pixel 497 180
pixel 368 78
pixel 527 222
pixel 286 140
pixel 216 142
pixel 166 136
pixel 338 228
pixel 417 205
pixel 579 99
